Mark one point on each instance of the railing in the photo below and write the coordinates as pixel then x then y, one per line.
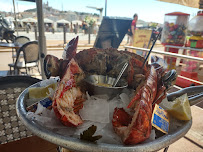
pixel 180 56
pixel 167 53
pixel 184 48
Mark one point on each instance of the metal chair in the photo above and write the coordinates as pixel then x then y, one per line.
pixel 31 58
pixel 19 40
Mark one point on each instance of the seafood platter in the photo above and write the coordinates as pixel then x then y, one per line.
pixel 124 120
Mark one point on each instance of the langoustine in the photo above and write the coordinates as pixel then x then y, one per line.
pixel 147 81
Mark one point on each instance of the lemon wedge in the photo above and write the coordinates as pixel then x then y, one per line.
pixel 41 92
pixel 180 108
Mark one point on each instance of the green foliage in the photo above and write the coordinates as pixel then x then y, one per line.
pixel 153 24
pixel 88 134
pixel 89 20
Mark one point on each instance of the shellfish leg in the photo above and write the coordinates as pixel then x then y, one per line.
pixel 71 48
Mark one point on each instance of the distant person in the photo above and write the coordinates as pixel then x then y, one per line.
pixel 52 28
pixel 76 26
pixel 133 26
pixel 95 28
pixel 67 28
pixel 19 25
pixel 28 27
pixel 71 27
pixel 46 27
pixel 84 27
pixel 129 34
pixel 131 31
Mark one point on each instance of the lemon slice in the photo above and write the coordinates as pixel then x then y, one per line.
pixel 41 92
pixel 181 108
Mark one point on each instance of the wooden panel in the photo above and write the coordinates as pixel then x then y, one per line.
pixel 30 144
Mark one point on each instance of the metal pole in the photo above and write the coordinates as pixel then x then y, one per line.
pixel 89 35
pixel 35 28
pixel 100 16
pixel 64 34
pixel 14 9
pixel 42 38
pixel 105 6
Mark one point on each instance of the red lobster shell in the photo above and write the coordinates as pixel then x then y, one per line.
pixel 137 128
pixel 68 97
pixel 146 80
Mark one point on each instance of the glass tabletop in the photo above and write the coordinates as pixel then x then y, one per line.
pixel 10 45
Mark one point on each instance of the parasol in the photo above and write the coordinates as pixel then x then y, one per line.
pixel 29 19
pixel 189 3
pixel 11 19
pixel 46 20
pixel 63 21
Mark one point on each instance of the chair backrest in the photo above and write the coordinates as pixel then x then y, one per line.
pixel 21 39
pixel 31 51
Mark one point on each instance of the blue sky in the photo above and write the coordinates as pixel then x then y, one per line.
pixel 147 10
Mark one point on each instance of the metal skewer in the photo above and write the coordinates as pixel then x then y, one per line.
pixel 120 74
pixel 151 49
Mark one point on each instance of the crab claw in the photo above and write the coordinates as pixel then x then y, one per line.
pixel 51 66
pixel 54 66
pixel 70 48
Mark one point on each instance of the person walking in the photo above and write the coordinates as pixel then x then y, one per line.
pixel 131 31
pixel 133 24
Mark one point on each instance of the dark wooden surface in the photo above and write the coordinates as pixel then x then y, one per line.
pixel 29 144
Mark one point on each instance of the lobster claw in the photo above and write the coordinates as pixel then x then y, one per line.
pixel 71 49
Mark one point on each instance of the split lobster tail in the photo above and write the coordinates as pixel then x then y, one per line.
pixel 139 128
pixel 68 99
pixel 136 128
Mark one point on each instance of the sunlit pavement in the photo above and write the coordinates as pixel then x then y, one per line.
pixel 59 36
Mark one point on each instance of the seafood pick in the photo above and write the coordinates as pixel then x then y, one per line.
pixel 147 82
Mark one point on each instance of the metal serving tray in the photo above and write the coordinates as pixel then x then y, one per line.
pixel 75 144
